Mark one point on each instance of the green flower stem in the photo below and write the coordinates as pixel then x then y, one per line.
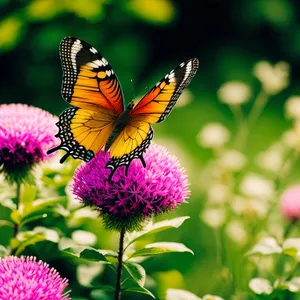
pixel 289 228
pixel 257 108
pixel 119 267
pixel 18 193
pixel 245 125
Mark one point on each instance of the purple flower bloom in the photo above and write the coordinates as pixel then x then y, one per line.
pixel 26 133
pixel 26 279
pixel 131 199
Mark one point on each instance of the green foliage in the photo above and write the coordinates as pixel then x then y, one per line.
pixel 243 247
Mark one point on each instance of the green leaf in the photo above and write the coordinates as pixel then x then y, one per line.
pixel 16 217
pixel 155 227
pixel 30 241
pixel 87 253
pixel 29 219
pixel 27 195
pixel 137 272
pixel 266 246
pixel 177 294
pixel 261 286
pixel 132 286
pixel 92 255
pixel 291 247
pixel 42 204
pixel 159 248
pixel 6 223
pixel 3 251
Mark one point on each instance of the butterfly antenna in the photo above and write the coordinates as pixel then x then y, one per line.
pixel 132 87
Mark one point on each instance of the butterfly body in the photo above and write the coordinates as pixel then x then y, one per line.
pixel 98 118
pixel 120 125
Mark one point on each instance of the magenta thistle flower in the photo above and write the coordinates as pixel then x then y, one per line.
pixel 127 201
pixel 26 279
pixel 290 203
pixel 26 133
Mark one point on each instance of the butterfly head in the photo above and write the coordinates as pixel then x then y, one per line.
pixel 131 105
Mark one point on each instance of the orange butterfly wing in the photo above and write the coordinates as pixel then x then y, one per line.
pixel 154 107
pixel 88 81
pixel 91 86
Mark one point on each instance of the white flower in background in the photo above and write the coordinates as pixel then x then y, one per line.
pixel 82 237
pixel 273 78
pixel 232 160
pixel 292 107
pixel 177 294
pixel 271 160
pixel 214 217
pixel 185 98
pixel 213 135
pixel 211 297
pixel 218 193
pixel 292 137
pixel 236 231
pixel 86 273
pixel 250 208
pixel 234 92
pixel 257 186
pixel 73 201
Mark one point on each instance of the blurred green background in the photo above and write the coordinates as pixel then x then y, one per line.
pixel 143 40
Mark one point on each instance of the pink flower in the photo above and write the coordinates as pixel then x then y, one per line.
pixel 129 200
pixel 26 133
pixel 290 203
pixel 26 279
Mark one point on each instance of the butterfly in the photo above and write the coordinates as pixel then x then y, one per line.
pixel 98 117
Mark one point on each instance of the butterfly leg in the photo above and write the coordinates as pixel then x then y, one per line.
pixel 53 149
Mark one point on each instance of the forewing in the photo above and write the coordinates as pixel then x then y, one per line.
pixel 83 133
pixel 157 104
pixel 88 81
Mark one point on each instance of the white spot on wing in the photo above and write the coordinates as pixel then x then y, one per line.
pixel 76 47
pixel 93 50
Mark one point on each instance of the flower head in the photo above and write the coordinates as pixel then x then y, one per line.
pixel 292 107
pixel 234 92
pixel 26 133
pixel 290 203
pixel 129 200
pixel 26 279
pixel 273 78
pixel 213 135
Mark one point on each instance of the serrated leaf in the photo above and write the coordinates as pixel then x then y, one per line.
pixel 177 294
pixel 155 227
pixel 137 272
pixel 160 248
pixel 291 247
pixel 132 286
pixel 266 246
pixel 261 286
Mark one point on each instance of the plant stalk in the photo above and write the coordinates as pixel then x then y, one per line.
pixel 18 192
pixel 119 267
